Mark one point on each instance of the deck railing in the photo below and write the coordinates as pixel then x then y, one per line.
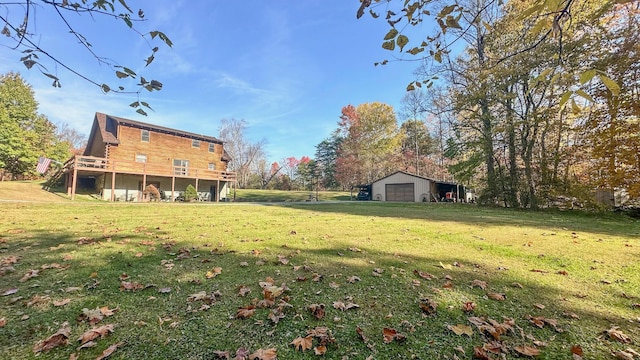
pixel 91 163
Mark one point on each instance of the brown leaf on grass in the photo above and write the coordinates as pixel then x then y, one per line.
pixel 353 279
pixel 61 337
pixel 9 260
pixel 624 355
pixel 428 306
pixel 341 306
pixel 618 335
pixel 317 310
pixel 213 272
pixel 461 329
pixel 480 353
pixel 320 350
pixel 3 322
pixel 527 350
pixel 74 356
pixel 37 299
pixel 242 354
pixel 577 350
pixel 361 334
pixel 468 306
pixel 303 343
pixel 29 275
pixel 264 354
pixel 94 333
pixel 108 351
pixel 479 283
pixel 245 312
pixel 389 335
pixel 539 306
pixel 562 272
pixel 10 292
pixel 424 275
pixel 282 259
pixel 108 312
pixel 130 286
pixel 276 314
pixel 244 290
pixel 518 285
pixel 61 302
pixel 497 296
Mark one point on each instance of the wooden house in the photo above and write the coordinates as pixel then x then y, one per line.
pixel 123 157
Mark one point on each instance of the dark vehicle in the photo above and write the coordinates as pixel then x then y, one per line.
pixel 364 192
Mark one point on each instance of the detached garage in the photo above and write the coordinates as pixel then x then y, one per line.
pixel 405 187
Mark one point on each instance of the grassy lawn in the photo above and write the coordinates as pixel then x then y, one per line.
pixel 189 281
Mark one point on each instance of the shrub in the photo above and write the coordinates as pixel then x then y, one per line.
pixel 190 193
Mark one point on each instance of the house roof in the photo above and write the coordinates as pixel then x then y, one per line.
pixel 416 176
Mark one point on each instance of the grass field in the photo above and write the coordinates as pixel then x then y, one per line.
pixel 192 281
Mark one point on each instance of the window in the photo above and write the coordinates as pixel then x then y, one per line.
pixel 212 166
pixel 195 143
pixel 180 167
pixel 144 135
pixel 141 158
pixel 212 147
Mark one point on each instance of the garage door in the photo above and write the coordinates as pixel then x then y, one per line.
pixel 399 192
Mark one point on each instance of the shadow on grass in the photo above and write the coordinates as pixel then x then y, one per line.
pixel 154 324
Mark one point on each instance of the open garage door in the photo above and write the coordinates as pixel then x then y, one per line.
pixel 400 192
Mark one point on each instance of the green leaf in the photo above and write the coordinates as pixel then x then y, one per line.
pixel 162 37
pixel 565 97
pixel 105 88
pixel 587 76
pixel 438 56
pixel 149 60
pixel 584 95
pixel 416 50
pixel 610 84
pixel 141 112
pixel 129 71
pixel 389 45
pixel 487 26
pixel 135 104
pixel 574 107
pixel 124 4
pixel 534 9
pixel 391 34
pixel 402 41
pixel 121 75
pixel 447 10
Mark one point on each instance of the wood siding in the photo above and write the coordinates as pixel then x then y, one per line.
pixel 162 149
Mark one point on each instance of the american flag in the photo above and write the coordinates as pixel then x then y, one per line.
pixel 43 164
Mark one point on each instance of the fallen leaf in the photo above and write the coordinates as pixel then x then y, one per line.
pixel 620 354
pixel 618 335
pixel 479 283
pixel 264 354
pixel 428 306
pixel 497 296
pixel 62 302
pixel 242 354
pixel 527 350
pixel 244 290
pixel 317 310
pixel 424 275
pixel 221 354
pixel 245 312
pixel 29 275
pixel 361 334
pixel 303 343
pixel 461 329
pixel 3 322
pixel 130 286
pixel 539 306
pixel 108 351
pixel 577 349
pixel 468 306
pixel 213 272
pixel 9 292
pixel 353 279
pixel 320 350
pixel 389 335
pixel 93 334
pixel 61 337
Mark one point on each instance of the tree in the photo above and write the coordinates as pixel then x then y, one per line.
pixel 24 134
pixel 325 160
pixel 416 145
pixel 21 33
pixel 245 155
pixel 370 143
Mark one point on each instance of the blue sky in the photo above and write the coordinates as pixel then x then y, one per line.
pixel 286 67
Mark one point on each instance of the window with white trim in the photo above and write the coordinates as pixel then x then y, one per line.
pixel 144 135
pixel 141 158
pixel 180 167
pixel 195 143
pixel 212 166
pixel 212 147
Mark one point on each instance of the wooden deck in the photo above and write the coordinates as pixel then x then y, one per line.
pixel 89 165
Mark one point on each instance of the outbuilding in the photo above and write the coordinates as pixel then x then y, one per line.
pixel 406 187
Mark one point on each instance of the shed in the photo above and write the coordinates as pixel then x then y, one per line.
pixel 406 187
